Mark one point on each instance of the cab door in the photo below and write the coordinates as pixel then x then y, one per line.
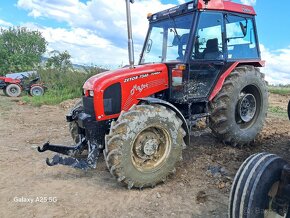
pixel 208 55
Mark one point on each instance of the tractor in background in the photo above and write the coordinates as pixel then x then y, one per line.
pixel 14 83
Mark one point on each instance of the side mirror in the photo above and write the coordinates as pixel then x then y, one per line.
pixel 244 28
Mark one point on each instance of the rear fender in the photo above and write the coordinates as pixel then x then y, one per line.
pixel 38 84
pixel 151 100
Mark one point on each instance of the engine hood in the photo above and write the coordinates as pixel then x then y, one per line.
pixel 100 81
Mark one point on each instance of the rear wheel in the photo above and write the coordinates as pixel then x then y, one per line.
pixel 13 90
pixel 255 186
pixel 36 91
pixel 238 112
pixel 144 145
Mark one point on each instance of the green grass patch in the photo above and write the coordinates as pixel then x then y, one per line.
pixel 278 111
pixel 51 97
pixel 280 90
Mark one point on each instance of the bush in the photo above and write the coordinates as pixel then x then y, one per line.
pixel 62 85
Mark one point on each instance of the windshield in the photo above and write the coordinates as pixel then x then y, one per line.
pixel 167 40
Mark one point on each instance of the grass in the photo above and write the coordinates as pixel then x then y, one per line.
pixel 278 111
pixel 51 97
pixel 280 90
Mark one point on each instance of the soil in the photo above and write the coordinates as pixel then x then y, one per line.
pixel 200 187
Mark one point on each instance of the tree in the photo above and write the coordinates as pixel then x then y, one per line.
pixel 59 60
pixel 20 49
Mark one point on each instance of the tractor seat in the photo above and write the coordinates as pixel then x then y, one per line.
pixel 212 50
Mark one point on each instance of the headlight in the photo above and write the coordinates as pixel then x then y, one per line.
pixel 91 93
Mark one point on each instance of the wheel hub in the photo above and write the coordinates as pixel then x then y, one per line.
pixel 36 92
pixel 150 147
pixel 13 90
pixel 247 107
pixel 146 145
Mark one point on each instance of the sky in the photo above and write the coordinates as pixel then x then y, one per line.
pixel 94 32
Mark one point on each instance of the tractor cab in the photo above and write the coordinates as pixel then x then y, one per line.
pixel 198 42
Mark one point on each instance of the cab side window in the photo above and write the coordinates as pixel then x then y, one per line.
pixel 208 39
pixel 241 40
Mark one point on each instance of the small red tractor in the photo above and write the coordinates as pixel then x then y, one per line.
pixel 13 84
pixel 200 60
pixel 261 187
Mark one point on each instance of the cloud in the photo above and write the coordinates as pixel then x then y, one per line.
pixel 277 69
pixel 84 46
pixel 4 23
pixel 108 18
pixel 181 1
pixel 94 24
pixel 249 2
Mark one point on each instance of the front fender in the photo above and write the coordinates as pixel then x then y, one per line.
pixel 151 100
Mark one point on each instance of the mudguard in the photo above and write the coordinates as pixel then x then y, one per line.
pixel 151 100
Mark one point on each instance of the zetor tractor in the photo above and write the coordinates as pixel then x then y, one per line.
pixel 200 60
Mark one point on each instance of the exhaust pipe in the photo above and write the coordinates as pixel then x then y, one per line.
pixel 130 38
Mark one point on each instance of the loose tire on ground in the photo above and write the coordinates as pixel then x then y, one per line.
pixel 144 145
pixel 254 186
pixel 13 90
pixel 73 126
pixel 239 110
pixel 36 91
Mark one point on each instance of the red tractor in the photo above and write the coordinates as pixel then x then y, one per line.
pixel 13 84
pixel 200 60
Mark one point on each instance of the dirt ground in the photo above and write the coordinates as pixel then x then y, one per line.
pixel 195 191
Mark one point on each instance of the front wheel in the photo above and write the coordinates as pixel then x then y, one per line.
pixel 144 145
pixel 36 91
pixel 255 187
pixel 13 90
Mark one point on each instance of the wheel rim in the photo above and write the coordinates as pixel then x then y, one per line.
pixel 269 213
pixel 36 92
pixel 247 107
pixel 150 149
pixel 13 90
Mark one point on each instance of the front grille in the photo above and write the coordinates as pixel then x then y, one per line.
pixel 88 103
pixel 112 99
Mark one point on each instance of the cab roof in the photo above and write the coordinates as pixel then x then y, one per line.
pixel 215 5
pixel 226 6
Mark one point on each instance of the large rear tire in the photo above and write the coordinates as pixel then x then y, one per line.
pixel 13 90
pixel 255 186
pixel 144 145
pixel 239 110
